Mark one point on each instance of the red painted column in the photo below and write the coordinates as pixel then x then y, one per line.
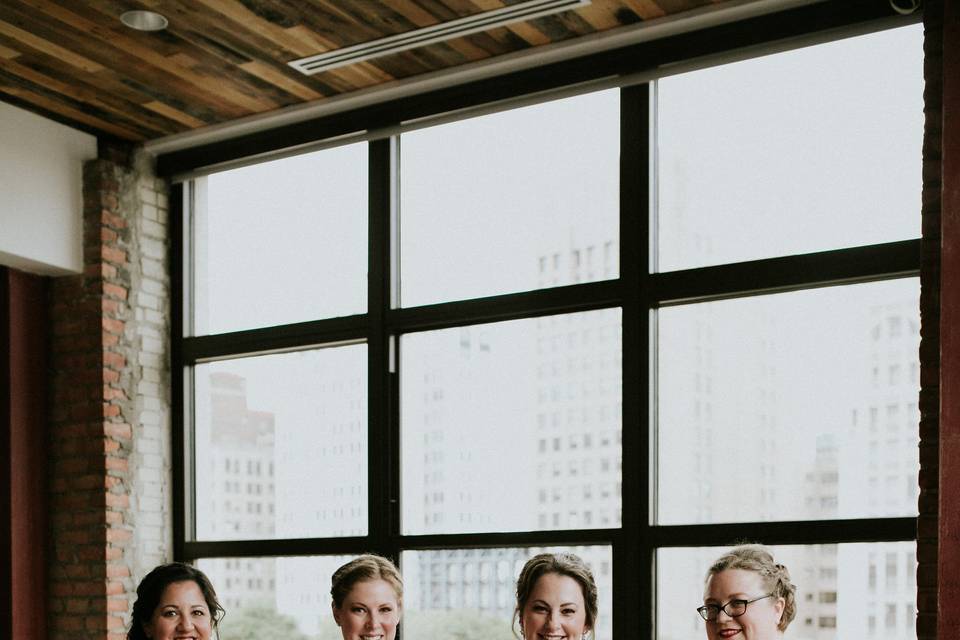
pixel 948 597
pixel 24 454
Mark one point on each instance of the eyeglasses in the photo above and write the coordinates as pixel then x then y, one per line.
pixel 734 608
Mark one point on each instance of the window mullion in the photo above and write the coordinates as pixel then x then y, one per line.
pixel 380 456
pixel 632 552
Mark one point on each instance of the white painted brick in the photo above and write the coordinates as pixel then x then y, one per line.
pixel 148 331
pixel 151 404
pixel 150 374
pixel 150 474
pixel 149 389
pixel 153 248
pixel 152 345
pixel 154 286
pixel 151 359
pixel 152 460
pixel 152 521
pixel 149 301
pixel 154 489
pixel 149 447
pixel 153 229
pixel 152 268
pixel 155 316
pixel 148 195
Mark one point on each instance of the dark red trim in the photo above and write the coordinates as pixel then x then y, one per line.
pixel 22 454
pixel 948 618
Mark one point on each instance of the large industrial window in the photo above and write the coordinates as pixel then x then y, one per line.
pixel 641 323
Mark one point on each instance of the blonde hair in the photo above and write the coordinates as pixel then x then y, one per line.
pixel 776 578
pixel 369 566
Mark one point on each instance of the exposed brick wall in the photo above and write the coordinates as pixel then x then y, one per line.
pixel 927 528
pixel 109 496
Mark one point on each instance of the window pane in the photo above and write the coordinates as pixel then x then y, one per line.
pixel 281 445
pixel 514 201
pixel 285 598
pixel 513 425
pixel 790 407
pixel 838 593
pixel 282 241
pixel 803 151
pixel 470 594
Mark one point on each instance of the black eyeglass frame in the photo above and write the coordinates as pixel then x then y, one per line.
pixel 705 609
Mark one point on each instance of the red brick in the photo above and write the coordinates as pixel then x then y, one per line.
pixel 118 430
pixel 114 463
pixel 113 393
pixel 113 326
pixel 111 220
pixel 114 360
pixel 115 291
pixel 118 500
pixel 117 570
pixel 117 604
pixel 112 307
pixel 114 255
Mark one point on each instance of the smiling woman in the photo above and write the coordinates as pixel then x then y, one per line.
pixel 556 598
pixel 367 598
pixel 175 600
pixel 747 596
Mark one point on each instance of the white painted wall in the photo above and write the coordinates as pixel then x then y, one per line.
pixel 41 192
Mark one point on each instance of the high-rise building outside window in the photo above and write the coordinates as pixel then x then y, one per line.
pixel 623 323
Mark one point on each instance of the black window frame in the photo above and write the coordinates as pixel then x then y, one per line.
pixel 637 291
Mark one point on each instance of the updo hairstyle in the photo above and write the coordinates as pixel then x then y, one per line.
pixel 362 568
pixel 776 578
pixel 564 564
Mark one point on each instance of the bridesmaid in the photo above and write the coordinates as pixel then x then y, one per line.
pixel 556 597
pixel 367 597
pixel 175 600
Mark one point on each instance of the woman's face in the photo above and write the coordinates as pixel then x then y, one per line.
pixel 555 610
pixel 182 613
pixel 758 622
pixel 371 611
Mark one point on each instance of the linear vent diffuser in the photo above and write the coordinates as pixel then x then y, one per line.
pixel 435 33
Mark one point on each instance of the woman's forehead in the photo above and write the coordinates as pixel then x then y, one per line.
pixel 732 582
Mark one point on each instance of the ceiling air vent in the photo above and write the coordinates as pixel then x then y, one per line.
pixel 435 33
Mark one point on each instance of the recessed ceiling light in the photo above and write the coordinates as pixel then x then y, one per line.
pixel 144 20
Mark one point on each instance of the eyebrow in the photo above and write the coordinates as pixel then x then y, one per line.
pixel 562 604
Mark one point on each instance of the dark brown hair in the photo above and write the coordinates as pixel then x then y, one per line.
pixel 564 564
pixel 151 589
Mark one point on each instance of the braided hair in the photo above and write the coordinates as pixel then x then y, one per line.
pixel 776 577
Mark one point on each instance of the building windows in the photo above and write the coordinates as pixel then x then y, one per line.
pixel 473 318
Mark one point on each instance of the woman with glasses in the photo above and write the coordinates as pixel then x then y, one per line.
pixel 747 596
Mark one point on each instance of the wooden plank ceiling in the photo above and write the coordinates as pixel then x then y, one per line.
pixel 220 60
